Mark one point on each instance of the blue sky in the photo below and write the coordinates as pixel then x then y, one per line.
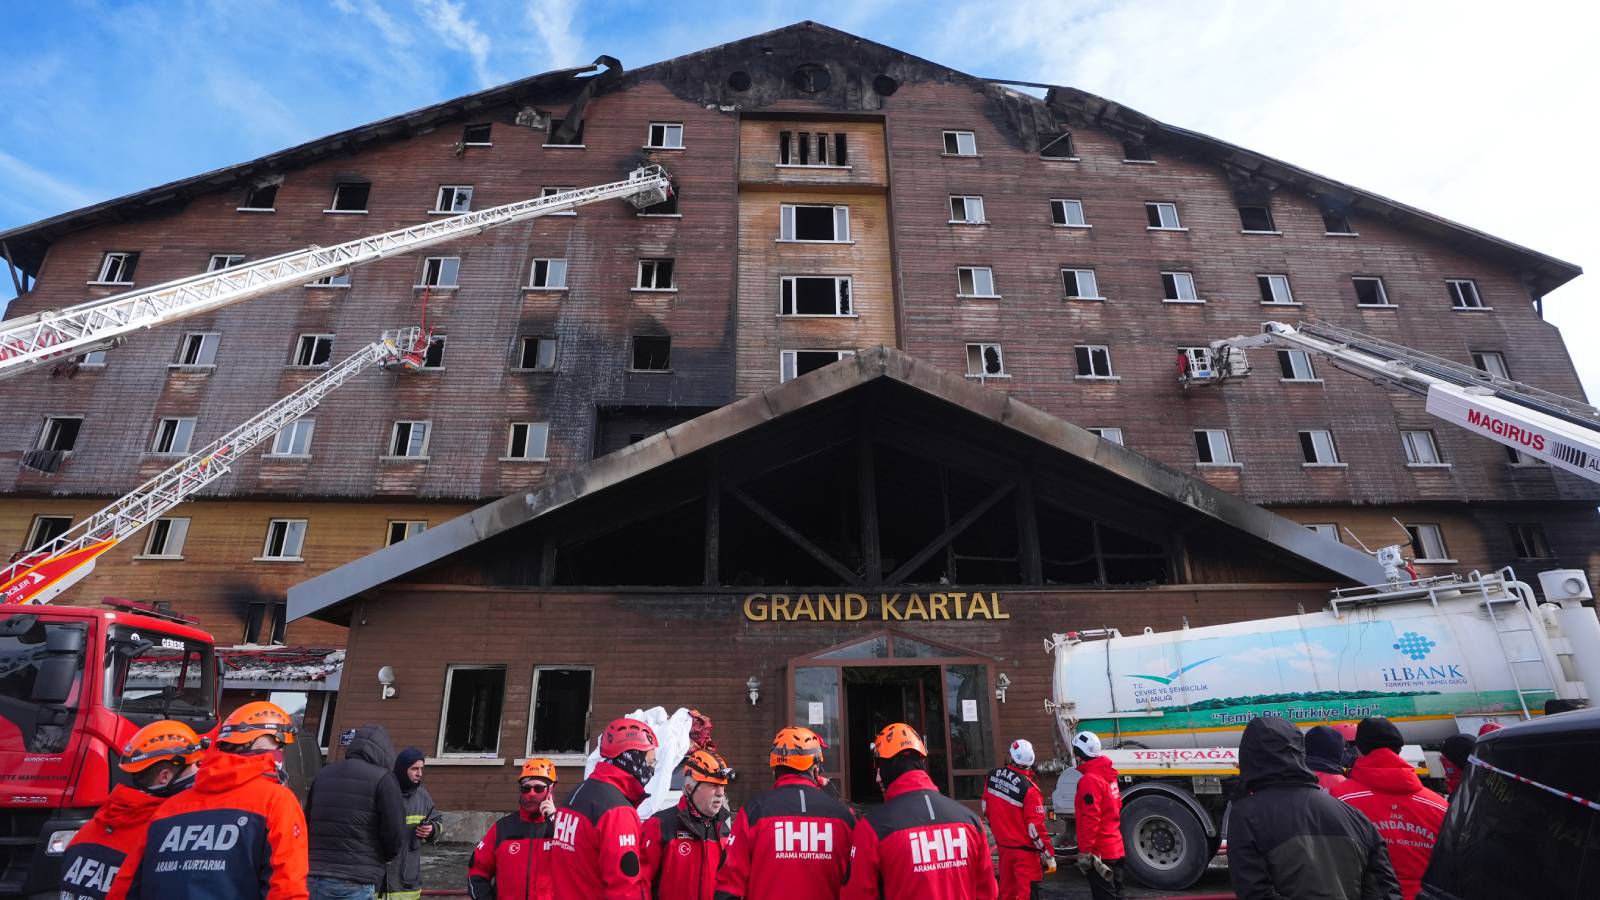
pixel 1472 110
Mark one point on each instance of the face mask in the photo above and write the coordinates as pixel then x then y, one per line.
pixel 175 786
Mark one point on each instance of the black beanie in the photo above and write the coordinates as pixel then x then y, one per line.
pixel 1457 747
pixel 1376 733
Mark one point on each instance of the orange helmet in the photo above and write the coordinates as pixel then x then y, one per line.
pixel 159 742
pixel 707 767
pixel 896 739
pixel 539 767
pixel 796 748
pixel 624 735
pixel 253 720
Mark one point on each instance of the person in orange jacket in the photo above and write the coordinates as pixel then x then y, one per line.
pixel 239 833
pixel 103 857
pixel 513 859
pixel 684 845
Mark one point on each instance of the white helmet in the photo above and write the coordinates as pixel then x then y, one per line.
pixel 1022 752
pixel 1087 743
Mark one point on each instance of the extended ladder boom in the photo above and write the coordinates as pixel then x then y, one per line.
pixel 1558 430
pixel 31 340
pixel 52 568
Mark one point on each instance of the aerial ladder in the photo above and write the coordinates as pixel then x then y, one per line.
pixel 30 341
pixel 1557 430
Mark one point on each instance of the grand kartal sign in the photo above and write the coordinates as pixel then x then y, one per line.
pixel 885 607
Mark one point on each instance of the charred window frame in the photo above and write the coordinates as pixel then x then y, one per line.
pixel 44 530
pixel 650 353
pixel 810 223
pixel 313 351
pixel 815 295
pixel 985 361
pixel 350 197
pixel 1528 541
pixel 536 353
pixel 469 721
pixel 260 198
pixel 479 134
pixel 794 363
pixel 1094 362
pixel 555 126
pixel 264 619
pixel 59 433
pixel 559 713
pixel 1256 218
pixel 1058 146
pixel 819 149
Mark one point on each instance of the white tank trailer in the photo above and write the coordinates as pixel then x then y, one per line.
pixel 1436 657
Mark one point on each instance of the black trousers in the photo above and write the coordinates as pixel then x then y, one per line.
pixel 1103 889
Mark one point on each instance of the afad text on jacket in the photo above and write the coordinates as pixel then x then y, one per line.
pixel 103 857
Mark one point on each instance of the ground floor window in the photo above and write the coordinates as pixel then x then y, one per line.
pixel 560 715
pixel 470 721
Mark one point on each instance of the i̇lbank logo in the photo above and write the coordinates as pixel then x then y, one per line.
pixel 938 845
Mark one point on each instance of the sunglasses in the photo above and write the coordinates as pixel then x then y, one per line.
pixel 533 787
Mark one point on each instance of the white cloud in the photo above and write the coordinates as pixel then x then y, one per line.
pixel 552 21
pixel 36 193
pixel 461 33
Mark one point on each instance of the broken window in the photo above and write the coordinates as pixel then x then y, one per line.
pixel 473 696
pixel 293 439
pixel 454 198
pixel 803 295
pixel 1080 284
pixel 575 140
pixel 549 274
pixel 1317 448
pixel 1464 294
pixel 975 281
pixel 59 433
pixel 1178 287
pixel 173 436
pixel 1114 435
pixel 166 538
pixel 1420 447
pixel 1370 292
pixel 806 148
pixel 116 267
pixel 665 136
pixel 985 360
pixel 1136 151
pixel 477 135
pixel 536 353
pixel 1529 541
pixel 400 530
pixel 220 261
pixel 1491 361
pixel 655 275
pixel 814 223
pixel 1067 213
pixel 46 529
pixel 1212 447
pixel 528 440
pixel 1057 146
pixel 440 271
pixel 409 439
pixel 651 353
pixel 1336 223
pixel 350 196
pixel 1256 218
pixel 1427 544
pixel 286 539
pixel 967 210
pixel 260 197
pixel 265 618
pixel 313 350
pixel 1162 215
pixel 794 363
pixel 198 349
pixel 433 357
pixel 1274 289
pixel 553 190
pixel 1296 365
pixel 561 707
pixel 1094 361
pixel 336 280
pixel 960 143
pixel 667 207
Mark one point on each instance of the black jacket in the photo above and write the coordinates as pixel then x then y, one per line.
pixel 355 816
pixel 1288 838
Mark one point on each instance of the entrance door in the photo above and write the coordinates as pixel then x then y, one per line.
pixel 848 693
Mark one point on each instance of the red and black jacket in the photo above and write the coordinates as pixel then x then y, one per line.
pixel 1097 809
pixel 792 842
pixel 1014 806
pixel 595 840
pixel 101 861
pixel 512 862
pixel 683 851
pixel 920 844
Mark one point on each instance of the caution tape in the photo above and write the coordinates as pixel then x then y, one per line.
pixel 1529 781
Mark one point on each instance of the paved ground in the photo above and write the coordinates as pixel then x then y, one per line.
pixel 444 867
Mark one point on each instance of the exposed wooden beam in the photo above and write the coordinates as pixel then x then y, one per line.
pixel 867 492
pixel 795 537
pixel 713 543
pixel 6 249
pixel 1028 532
pixel 951 533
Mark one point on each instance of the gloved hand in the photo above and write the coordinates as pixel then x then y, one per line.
pixel 1083 863
pixel 1048 861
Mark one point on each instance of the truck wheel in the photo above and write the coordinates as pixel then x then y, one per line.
pixel 1167 847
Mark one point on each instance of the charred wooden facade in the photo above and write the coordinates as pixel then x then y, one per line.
pixel 768 132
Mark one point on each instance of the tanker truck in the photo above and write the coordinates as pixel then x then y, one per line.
pixel 1436 657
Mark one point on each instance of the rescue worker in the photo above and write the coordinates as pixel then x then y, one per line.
pixel 513 859
pixel 403 877
pixel 1097 815
pixel 792 841
pixel 684 845
pixel 1453 755
pixel 1325 755
pixel 1014 807
pixel 1386 790
pixel 919 843
pixel 238 834
pixel 596 838
pixel 103 857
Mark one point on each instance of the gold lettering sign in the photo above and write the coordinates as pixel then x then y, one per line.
pixel 885 607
